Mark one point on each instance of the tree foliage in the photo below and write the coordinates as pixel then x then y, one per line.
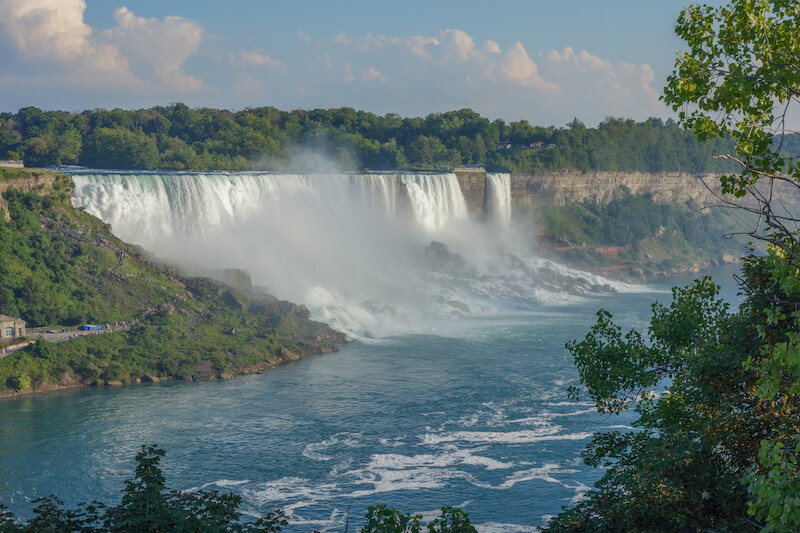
pixel 177 137
pixel 717 394
pixel 147 505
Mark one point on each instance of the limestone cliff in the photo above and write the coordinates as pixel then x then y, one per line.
pixel 556 189
pixel 529 192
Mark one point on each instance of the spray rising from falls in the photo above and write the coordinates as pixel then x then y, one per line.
pixel 372 254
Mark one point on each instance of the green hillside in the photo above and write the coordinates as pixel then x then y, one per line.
pixel 635 237
pixel 61 267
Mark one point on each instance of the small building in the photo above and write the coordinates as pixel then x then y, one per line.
pixel 11 328
pixel 91 327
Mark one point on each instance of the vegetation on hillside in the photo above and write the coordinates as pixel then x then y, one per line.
pixel 61 267
pixel 717 440
pixel 648 238
pixel 177 137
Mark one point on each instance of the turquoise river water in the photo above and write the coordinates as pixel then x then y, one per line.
pixel 472 413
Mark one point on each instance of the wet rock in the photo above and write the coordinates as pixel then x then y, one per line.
pixel 441 258
pixel 288 355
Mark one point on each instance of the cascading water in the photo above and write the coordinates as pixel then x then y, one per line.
pixel 340 243
pixel 498 198
pixel 436 199
pixel 141 206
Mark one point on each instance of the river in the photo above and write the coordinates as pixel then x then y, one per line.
pixel 472 412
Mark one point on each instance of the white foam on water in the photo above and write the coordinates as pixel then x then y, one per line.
pixel 300 491
pixel 393 442
pixel 569 404
pixel 580 492
pixel 226 483
pixel 589 411
pixel 502 527
pixel 507 437
pixel 313 450
pixel 545 472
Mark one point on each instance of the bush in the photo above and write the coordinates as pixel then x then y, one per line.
pixel 19 382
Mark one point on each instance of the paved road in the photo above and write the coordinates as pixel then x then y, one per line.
pixel 60 336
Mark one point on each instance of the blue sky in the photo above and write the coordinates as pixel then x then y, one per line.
pixel 546 62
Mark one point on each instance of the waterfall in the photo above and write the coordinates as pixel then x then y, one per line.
pixel 174 204
pixel 498 198
pixel 183 204
pixel 436 199
pixel 338 242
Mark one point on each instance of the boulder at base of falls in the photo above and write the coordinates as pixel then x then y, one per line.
pixel 442 259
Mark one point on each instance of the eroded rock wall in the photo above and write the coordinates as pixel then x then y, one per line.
pixel 41 183
pixel 555 189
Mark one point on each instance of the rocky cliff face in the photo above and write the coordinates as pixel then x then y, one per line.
pixel 473 187
pixel 529 192
pixel 41 183
pixel 563 187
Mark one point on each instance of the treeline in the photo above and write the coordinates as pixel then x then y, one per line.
pixel 177 137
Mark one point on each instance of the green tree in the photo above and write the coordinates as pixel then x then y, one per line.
pixel 739 80
pixel 717 393
pixel 383 519
pixel 147 505
pixel 119 148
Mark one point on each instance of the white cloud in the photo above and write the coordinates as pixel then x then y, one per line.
pixel 621 89
pixel 249 58
pixel 452 51
pixel 371 74
pixel 457 46
pixel 517 67
pixel 490 47
pixel 304 36
pixel 449 70
pixel 54 32
pixel 158 47
pixel 348 77
pixel 137 54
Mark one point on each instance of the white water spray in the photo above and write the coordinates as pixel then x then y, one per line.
pixel 343 244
